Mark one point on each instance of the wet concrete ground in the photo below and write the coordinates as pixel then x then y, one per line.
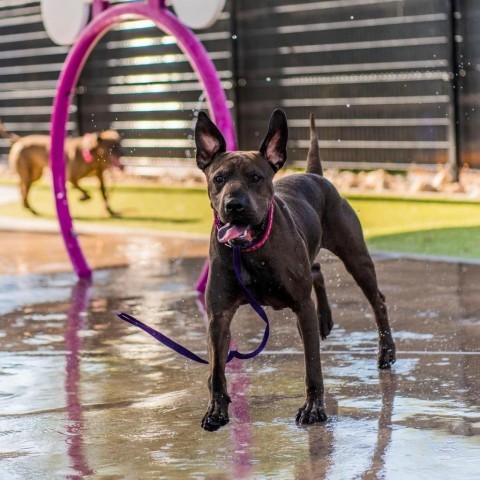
pixel 84 395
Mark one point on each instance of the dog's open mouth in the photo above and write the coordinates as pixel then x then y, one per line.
pixel 246 236
pixel 242 234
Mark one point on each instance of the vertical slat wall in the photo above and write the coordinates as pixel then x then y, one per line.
pixel 29 67
pixel 469 76
pixel 138 82
pixel 375 73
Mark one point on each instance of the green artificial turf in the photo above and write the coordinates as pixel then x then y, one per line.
pixel 434 227
pixel 148 207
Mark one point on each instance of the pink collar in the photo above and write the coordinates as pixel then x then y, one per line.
pixel 257 243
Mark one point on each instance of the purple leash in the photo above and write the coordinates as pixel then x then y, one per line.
pixel 237 266
pixel 168 342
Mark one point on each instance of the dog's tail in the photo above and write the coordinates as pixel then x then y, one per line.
pixel 314 165
pixel 6 134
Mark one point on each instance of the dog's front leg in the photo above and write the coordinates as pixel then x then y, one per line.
pixel 218 346
pixel 85 195
pixel 313 411
pixel 103 191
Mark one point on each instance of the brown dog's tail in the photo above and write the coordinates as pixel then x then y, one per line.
pixel 5 134
pixel 314 165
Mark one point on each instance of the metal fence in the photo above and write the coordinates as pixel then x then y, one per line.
pixel 467 35
pixel 29 68
pixel 139 82
pixel 374 72
pixel 378 74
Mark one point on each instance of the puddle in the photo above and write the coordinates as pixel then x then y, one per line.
pixel 85 395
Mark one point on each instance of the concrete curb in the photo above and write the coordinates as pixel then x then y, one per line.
pixel 51 226
pixel 382 255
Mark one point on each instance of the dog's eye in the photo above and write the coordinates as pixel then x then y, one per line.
pixel 255 178
pixel 219 179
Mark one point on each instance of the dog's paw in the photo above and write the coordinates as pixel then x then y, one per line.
pixel 114 214
pixel 325 321
pixel 386 355
pixel 312 411
pixel 216 416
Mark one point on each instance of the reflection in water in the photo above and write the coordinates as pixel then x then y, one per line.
pixel 337 449
pixel 73 343
pixel 321 445
pixel 388 386
pixel 145 403
pixel 242 428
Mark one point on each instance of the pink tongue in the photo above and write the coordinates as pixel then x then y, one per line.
pixel 231 232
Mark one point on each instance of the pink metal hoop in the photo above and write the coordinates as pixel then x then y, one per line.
pixel 104 20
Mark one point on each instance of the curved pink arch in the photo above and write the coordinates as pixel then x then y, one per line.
pixel 201 63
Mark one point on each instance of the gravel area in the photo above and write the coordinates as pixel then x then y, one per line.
pixel 417 181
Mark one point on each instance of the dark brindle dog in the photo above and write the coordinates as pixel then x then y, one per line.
pixel 309 214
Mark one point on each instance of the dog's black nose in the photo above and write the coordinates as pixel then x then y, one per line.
pixel 235 205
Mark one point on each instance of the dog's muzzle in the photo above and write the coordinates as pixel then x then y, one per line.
pixel 245 236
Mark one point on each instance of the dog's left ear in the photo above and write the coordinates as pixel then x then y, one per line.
pixel 90 141
pixel 274 145
pixel 208 140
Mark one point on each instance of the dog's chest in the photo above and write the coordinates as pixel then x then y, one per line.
pixel 267 284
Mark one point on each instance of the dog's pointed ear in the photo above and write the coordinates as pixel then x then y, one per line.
pixel 274 145
pixel 208 140
pixel 90 141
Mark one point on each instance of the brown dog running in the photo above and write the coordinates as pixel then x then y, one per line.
pixel 88 155
pixel 308 214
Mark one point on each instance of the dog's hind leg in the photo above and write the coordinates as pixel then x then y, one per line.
pixel 25 184
pixel 324 312
pixel 25 189
pixel 85 194
pixel 362 270
pixel 348 244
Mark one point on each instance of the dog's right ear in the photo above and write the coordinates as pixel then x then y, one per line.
pixel 90 141
pixel 208 140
